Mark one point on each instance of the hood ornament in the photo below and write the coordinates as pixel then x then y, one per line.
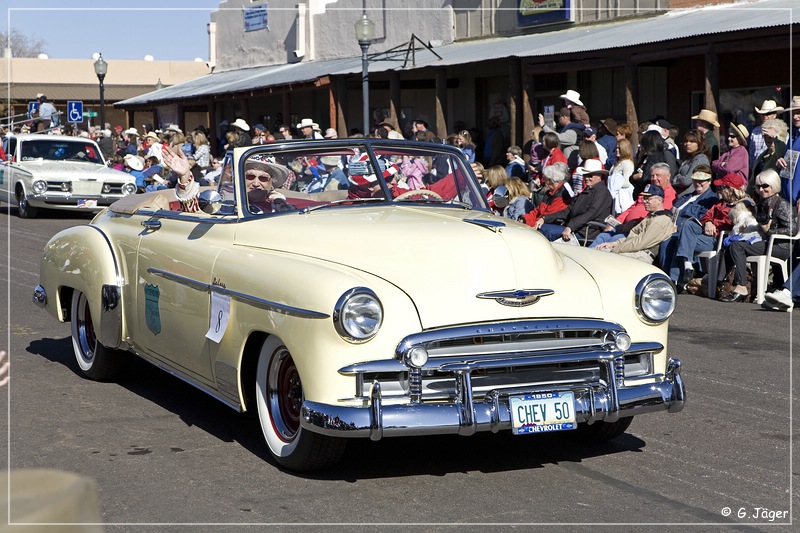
pixel 518 298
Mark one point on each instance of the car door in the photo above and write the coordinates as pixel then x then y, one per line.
pixel 7 173
pixel 176 255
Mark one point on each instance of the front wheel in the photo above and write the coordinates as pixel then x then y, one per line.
pixel 279 398
pixel 95 360
pixel 24 209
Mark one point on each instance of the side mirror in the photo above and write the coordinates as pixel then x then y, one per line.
pixel 210 202
pixel 501 196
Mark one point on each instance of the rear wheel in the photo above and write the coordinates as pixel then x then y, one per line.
pixel 95 360
pixel 279 398
pixel 602 431
pixel 24 209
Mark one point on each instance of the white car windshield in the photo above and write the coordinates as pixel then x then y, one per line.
pixel 307 176
pixel 60 150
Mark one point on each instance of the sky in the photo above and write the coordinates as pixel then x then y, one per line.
pixel 168 30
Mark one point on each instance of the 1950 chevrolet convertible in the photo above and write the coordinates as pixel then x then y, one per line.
pixel 320 288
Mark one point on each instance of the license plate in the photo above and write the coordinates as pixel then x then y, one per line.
pixel 542 412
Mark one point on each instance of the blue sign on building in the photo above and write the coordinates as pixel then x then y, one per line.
pixel 33 109
pixel 74 111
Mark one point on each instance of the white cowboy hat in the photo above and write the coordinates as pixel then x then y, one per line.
pixel 175 128
pixel 134 162
pixel 307 123
pixel 241 124
pixel 770 106
pixel 707 116
pixel 131 131
pixel 591 166
pixel 572 96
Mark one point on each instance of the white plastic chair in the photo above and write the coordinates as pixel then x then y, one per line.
pixel 761 262
pixel 709 261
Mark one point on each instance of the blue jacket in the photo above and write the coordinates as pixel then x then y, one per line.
pixel 694 210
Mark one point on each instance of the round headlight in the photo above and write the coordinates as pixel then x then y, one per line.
pixel 655 298
pixel 106 188
pixel 129 188
pixel 358 315
pixel 39 186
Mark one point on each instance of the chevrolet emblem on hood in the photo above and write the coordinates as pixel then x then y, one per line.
pixel 518 298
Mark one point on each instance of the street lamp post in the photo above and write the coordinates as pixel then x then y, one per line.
pixel 100 68
pixel 365 32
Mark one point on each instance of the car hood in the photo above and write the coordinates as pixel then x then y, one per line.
pixel 439 259
pixel 74 170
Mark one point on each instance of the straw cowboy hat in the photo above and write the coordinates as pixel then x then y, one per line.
pixel 241 124
pixel 175 128
pixel 768 107
pixel 707 116
pixel 795 105
pixel 572 96
pixel 307 123
pixel 152 135
pixel 741 133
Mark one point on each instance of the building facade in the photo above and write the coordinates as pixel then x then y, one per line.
pixel 463 61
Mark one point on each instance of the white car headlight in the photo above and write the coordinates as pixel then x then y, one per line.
pixel 39 186
pixel 129 188
pixel 358 315
pixel 655 298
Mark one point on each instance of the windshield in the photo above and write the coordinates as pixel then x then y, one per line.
pixel 311 175
pixel 60 150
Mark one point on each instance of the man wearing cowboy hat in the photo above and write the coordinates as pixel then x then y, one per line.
pixel 309 129
pixel 768 110
pixel 789 169
pixel 706 121
pixel 130 137
pixel 578 113
pixel 134 166
pixel 243 129
pixel 154 146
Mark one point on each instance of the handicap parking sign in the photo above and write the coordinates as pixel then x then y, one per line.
pixel 33 108
pixel 75 111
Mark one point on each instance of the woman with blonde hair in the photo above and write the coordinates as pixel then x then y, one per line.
pixel 202 150
pixel 519 199
pixel 618 182
pixel 774 131
pixel 495 177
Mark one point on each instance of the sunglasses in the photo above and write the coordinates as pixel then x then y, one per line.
pixel 732 137
pixel 262 179
pixel 764 186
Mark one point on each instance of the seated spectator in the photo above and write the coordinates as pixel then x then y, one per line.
pixel 774 216
pixel 644 239
pixel 553 153
pixel 688 211
pixel 607 138
pixel 736 160
pixel 586 150
pixel 618 183
pixel 519 199
pixel 557 197
pixel 202 150
pixel 464 142
pixel 515 166
pixel 619 227
pixel 784 298
pixel 331 179
pixel 694 146
pixel 495 176
pixel 652 150
pixel 593 204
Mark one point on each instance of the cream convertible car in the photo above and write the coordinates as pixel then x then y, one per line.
pixel 372 312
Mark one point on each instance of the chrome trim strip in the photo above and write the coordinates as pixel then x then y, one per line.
pixel 258 302
pixel 494 225
pixel 180 215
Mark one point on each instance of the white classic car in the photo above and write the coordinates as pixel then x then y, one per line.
pixel 317 287
pixel 59 172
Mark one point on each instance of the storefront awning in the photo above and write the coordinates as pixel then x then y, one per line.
pixel 620 33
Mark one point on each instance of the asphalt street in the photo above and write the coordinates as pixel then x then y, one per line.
pixel 164 453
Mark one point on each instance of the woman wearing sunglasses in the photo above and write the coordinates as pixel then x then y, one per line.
pixel 774 215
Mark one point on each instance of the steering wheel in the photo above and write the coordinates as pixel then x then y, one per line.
pixel 419 192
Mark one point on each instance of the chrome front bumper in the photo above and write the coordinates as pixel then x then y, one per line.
pixel 465 416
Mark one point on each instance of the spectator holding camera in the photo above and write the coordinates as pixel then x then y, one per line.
pixel 774 215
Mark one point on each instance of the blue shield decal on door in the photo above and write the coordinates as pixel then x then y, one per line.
pixel 151 314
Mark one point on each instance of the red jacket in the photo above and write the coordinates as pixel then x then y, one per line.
pixel 637 211
pixel 556 156
pixel 553 204
pixel 718 215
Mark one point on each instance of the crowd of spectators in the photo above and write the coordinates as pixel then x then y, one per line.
pixel 577 180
